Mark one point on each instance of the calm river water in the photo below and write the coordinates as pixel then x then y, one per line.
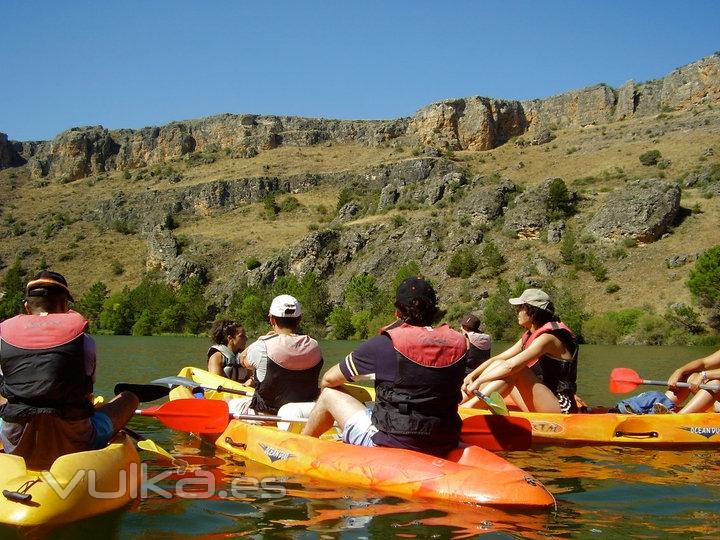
pixel 605 492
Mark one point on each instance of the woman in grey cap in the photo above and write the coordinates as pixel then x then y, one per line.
pixel 539 371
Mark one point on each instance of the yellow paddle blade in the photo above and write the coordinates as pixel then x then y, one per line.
pixel 151 446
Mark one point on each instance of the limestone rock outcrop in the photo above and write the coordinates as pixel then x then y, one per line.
pixel 643 210
pixel 530 212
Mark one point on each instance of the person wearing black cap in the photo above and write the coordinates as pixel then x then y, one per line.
pixel 539 371
pixel 417 371
pixel 478 342
pixel 47 362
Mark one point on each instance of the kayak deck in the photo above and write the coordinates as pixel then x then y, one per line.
pixel 77 486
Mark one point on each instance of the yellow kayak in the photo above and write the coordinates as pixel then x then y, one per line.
pixel 77 486
pixel 700 429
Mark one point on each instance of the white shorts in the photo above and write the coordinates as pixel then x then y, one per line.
pixel 359 429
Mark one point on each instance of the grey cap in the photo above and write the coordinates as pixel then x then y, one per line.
pixel 534 297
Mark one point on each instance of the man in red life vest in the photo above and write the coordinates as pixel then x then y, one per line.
pixel 47 364
pixel 417 370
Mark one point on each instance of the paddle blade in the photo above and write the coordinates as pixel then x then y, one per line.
pixel 497 433
pixel 175 381
pixel 144 392
pixel 494 401
pixel 192 415
pixel 623 380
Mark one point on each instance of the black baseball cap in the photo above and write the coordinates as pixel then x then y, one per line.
pixel 414 288
pixel 45 283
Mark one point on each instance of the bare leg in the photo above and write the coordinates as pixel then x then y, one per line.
pixel 531 395
pixel 332 406
pixel 701 401
pixel 678 396
pixel 120 409
pixel 471 401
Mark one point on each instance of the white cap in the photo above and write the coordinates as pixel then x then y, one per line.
pixel 285 306
pixel 534 297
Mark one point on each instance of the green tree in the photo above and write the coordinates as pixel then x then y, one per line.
pixel 500 317
pixel 361 293
pixel 91 303
pixel 559 203
pixel 143 325
pixel 601 330
pixel 11 302
pixel 491 259
pixel 704 281
pixel 117 315
pixel 341 323
pixel 361 321
pixel 191 298
pixel 569 252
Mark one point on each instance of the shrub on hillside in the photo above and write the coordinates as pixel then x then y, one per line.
pixel 560 203
pixel 651 157
pixel 252 263
pixel 704 284
pixel 491 260
pixel 462 264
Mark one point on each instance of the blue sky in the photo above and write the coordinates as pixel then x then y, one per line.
pixel 139 63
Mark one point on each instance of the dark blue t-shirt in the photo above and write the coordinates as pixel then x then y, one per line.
pixel 376 359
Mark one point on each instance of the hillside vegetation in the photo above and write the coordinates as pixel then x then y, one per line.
pixel 325 210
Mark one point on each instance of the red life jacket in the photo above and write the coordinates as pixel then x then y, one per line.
pixel 293 369
pixel 422 400
pixel 42 358
pixel 558 375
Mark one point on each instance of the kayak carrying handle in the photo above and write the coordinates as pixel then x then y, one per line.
pixel 16 496
pixel 637 435
pixel 21 495
pixel 241 446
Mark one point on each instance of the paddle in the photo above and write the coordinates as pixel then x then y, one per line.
pixel 144 392
pixel 497 433
pixel 494 401
pixel 146 444
pixel 193 415
pixel 189 383
pixel 212 416
pixel 624 380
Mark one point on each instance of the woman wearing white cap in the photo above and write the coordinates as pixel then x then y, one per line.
pixel 539 371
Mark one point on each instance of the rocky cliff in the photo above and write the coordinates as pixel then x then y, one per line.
pixel 473 123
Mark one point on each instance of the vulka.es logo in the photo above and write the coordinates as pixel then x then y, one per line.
pixel 136 482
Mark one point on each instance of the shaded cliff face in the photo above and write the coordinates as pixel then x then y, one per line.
pixel 473 123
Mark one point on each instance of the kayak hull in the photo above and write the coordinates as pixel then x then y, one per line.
pixel 656 430
pixel 472 475
pixel 77 486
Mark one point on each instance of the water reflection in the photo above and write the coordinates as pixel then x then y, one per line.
pixel 602 492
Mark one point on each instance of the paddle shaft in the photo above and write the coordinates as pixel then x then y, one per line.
pixel 267 418
pixel 189 383
pixel 711 387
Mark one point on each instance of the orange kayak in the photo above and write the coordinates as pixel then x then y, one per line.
pixel 471 475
